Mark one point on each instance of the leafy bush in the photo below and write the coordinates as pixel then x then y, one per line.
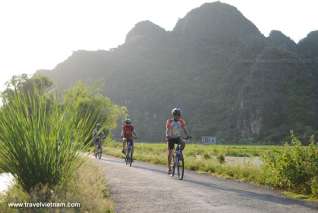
pixel 86 100
pixel 294 167
pixel 206 156
pixel 314 186
pixel 221 158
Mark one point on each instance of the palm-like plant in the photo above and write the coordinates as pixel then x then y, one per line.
pixel 40 140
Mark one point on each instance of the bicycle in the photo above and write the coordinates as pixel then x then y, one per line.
pixel 177 161
pixel 98 151
pixel 98 146
pixel 129 152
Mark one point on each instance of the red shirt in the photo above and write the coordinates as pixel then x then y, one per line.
pixel 128 131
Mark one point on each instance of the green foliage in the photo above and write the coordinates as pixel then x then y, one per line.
pixel 206 156
pixel 196 158
pixel 221 158
pixel 23 83
pixel 314 186
pixel 89 190
pixel 83 100
pixel 40 141
pixel 294 167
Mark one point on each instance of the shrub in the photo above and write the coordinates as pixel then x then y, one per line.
pixel 314 186
pixel 293 167
pixel 206 156
pixel 40 142
pixel 221 158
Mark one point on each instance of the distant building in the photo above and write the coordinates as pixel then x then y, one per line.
pixel 208 140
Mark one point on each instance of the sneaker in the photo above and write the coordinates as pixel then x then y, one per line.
pixel 169 172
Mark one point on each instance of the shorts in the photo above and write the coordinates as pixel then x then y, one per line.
pixel 98 145
pixel 97 141
pixel 130 140
pixel 173 141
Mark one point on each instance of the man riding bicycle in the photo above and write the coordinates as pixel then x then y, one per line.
pixel 127 133
pixel 98 137
pixel 175 128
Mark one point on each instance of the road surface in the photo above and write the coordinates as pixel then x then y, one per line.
pixel 146 188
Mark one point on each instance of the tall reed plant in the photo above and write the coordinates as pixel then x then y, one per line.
pixel 40 140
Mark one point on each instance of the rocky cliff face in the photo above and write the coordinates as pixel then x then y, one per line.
pixel 230 80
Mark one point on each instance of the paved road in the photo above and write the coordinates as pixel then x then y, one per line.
pixel 146 188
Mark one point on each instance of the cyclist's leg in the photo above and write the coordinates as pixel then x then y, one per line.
pixel 182 143
pixel 170 152
pixel 96 148
pixel 132 147
pixel 124 142
pixel 100 147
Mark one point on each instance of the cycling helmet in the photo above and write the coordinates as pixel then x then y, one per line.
pixel 176 111
pixel 128 121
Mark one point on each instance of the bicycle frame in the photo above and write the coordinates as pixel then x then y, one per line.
pixel 98 151
pixel 129 146
pixel 129 152
pixel 178 161
pixel 178 151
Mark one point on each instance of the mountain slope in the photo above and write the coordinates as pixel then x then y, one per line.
pixel 230 80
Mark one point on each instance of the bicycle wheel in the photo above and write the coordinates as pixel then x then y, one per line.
pixel 130 157
pixel 180 167
pixel 127 158
pixel 95 152
pixel 100 153
pixel 173 165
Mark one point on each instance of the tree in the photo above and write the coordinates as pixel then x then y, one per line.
pixel 22 83
pixel 86 100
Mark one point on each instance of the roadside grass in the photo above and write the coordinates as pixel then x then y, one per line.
pixel 205 159
pixel 300 196
pixel 198 158
pixel 87 187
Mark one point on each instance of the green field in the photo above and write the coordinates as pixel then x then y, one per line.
pixel 198 150
pixel 204 158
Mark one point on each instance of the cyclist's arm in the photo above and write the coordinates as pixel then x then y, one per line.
pixel 134 134
pixel 168 133
pixel 186 132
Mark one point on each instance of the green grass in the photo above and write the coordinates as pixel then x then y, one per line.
pixel 299 196
pixel 201 158
pixel 40 140
pixel 88 187
pixel 206 151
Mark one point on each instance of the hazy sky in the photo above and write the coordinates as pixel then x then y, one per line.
pixel 36 34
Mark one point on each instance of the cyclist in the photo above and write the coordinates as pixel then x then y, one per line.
pixel 98 136
pixel 127 134
pixel 175 128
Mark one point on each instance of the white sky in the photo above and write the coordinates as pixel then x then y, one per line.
pixel 36 34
